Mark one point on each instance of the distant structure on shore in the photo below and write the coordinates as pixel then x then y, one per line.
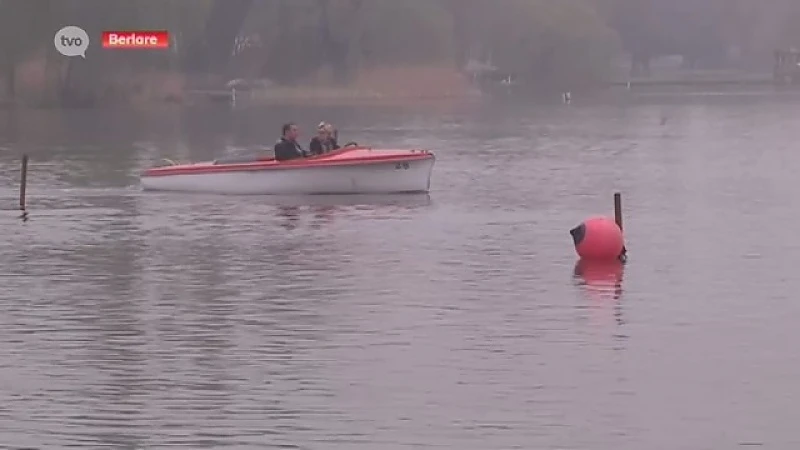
pixel 484 74
pixel 478 70
pixel 784 72
pixel 787 66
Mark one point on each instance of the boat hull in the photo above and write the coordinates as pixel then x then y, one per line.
pixel 381 175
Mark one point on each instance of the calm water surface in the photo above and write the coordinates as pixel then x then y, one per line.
pixel 454 320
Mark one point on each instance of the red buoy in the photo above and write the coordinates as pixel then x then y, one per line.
pixel 598 239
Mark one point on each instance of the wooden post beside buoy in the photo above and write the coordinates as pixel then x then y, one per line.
pixel 600 238
pixel 623 255
pixel 23 188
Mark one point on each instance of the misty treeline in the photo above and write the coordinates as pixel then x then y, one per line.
pixel 552 43
pixel 707 33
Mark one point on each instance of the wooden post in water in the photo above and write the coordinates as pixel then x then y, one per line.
pixel 618 209
pixel 623 257
pixel 23 187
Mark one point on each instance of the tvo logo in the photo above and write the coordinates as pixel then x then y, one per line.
pixel 71 41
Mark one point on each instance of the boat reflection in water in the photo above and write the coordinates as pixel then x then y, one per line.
pixel 323 208
pixel 602 282
pixel 358 200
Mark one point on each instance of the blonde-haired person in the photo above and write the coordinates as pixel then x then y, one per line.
pixel 324 141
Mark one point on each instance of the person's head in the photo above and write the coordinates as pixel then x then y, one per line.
pixel 290 132
pixel 324 130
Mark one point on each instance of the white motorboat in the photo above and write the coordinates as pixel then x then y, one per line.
pixel 351 170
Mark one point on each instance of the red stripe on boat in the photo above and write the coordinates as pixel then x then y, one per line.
pixel 343 157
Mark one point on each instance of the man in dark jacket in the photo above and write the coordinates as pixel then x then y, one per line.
pixel 287 146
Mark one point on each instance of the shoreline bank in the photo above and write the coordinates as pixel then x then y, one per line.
pixel 324 96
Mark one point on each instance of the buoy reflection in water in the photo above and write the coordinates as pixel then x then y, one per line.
pixel 602 283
